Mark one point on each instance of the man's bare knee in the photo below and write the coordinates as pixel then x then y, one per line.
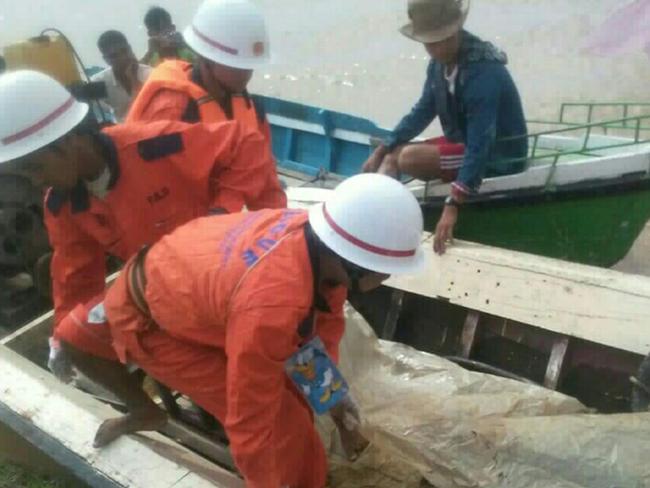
pixel 419 160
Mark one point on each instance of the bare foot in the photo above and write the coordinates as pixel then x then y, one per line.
pixel 111 429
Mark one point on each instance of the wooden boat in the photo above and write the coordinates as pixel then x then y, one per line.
pixel 575 328
pixel 584 196
pixel 58 422
pixel 579 329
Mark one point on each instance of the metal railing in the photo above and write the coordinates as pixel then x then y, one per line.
pixel 586 146
pixel 589 112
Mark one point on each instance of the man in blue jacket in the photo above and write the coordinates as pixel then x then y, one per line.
pixel 469 88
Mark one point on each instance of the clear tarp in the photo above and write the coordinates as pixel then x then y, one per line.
pixel 429 419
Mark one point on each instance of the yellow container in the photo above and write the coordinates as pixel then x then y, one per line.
pixel 48 54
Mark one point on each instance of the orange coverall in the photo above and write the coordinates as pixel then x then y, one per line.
pixel 162 175
pixel 229 298
pixel 173 92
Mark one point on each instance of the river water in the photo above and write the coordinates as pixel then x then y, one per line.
pixel 347 54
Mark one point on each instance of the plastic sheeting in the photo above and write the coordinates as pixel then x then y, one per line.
pixel 429 419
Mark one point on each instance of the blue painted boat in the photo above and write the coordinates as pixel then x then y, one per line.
pixel 312 140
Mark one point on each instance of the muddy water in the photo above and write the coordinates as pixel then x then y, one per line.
pixel 348 56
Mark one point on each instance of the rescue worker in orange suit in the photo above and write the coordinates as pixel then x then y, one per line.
pixel 230 40
pixel 217 308
pixel 115 190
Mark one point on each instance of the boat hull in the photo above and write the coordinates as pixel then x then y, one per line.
pixel 593 224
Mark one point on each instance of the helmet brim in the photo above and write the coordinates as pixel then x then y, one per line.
pixel 372 261
pixel 206 51
pixel 41 138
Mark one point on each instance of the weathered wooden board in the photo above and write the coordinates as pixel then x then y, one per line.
pixel 600 305
pixel 307 195
pixel 68 419
pixel 30 340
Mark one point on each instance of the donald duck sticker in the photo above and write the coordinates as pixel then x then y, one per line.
pixel 316 376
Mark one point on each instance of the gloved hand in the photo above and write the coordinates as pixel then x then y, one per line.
pixel 348 421
pixel 59 363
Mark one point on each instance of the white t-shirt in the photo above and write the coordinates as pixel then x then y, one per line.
pixel 451 79
pixel 118 99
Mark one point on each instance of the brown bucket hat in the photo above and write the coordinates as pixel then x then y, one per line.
pixel 435 20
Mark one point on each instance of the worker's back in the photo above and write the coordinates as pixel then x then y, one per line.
pixel 256 263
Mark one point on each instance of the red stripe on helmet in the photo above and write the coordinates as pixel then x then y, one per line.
pixel 44 122
pixel 213 43
pixel 364 245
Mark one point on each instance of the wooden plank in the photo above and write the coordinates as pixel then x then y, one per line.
pixel 200 443
pixel 390 324
pixel 19 335
pixel 469 333
pixel 71 417
pixel 48 449
pixel 305 196
pixel 555 363
pixel 600 305
pixel 30 341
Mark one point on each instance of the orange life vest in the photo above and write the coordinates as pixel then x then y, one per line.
pixel 153 191
pixel 176 75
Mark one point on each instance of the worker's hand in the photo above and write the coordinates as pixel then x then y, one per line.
pixel 59 363
pixel 445 228
pixel 348 421
pixel 372 164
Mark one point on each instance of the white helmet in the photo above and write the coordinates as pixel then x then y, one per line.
pixel 36 110
pixel 229 32
pixel 372 221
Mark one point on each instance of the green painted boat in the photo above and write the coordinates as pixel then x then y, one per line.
pixel 584 196
pixel 590 224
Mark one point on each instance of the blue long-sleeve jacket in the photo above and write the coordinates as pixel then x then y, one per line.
pixel 485 108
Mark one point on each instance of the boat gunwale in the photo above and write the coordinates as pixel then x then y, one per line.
pixel 516 196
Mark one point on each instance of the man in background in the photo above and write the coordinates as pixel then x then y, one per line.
pixel 124 77
pixel 469 89
pixel 164 41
